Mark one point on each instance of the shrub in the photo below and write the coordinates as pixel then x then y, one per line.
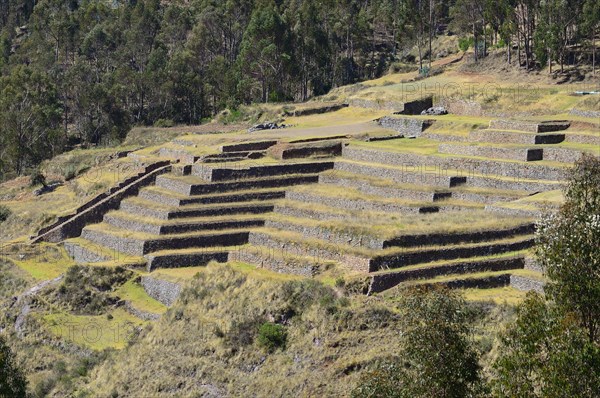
pixel 464 43
pixel 36 178
pixel 164 123
pixel 4 213
pixel 272 336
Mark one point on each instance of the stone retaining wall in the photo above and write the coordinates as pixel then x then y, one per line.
pixel 386 281
pixel 94 210
pixel 407 126
pixel 226 174
pixel 143 315
pixel 352 262
pixel 526 284
pixel 298 151
pixel 444 166
pixel 178 154
pixel 522 154
pixel 564 155
pixel 355 204
pixel 178 260
pixel 532 127
pixel 398 260
pixel 248 146
pixel 408 108
pixel 584 139
pixel 164 291
pixel 444 137
pixel 274 260
pixel 411 174
pixel 461 107
pixel 456 238
pixel 584 113
pixel 490 282
pixel 328 235
pixel 386 192
pixel 509 137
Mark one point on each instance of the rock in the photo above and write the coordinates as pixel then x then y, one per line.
pixel 266 126
pixel 435 110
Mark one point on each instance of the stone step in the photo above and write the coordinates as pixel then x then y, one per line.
pixel 84 251
pixel 156 226
pixel 446 165
pixel 384 280
pixel 170 198
pixel 522 154
pixel 279 260
pixel 196 186
pixel 514 184
pixel 146 208
pixel 219 174
pixel 530 126
pixel 306 150
pixel 358 204
pixel 356 258
pixel 358 237
pixel 403 258
pixel 193 257
pixel 289 243
pixel 455 238
pixel 384 188
pixel 515 137
pixel 139 244
pixel 248 146
pixel 408 175
pixel 473 282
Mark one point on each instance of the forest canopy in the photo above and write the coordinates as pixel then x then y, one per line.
pixel 85 71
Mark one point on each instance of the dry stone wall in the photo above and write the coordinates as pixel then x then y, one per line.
pixel 522 154
pixel 159 289
pixel 436 165
pixel 386 281
pixel 93 211
pixel 407 126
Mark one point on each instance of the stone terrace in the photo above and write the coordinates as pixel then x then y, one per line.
pixel 377 212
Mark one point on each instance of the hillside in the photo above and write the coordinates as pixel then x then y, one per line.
pixel 148 269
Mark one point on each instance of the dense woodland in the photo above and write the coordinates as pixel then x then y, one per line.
pixel 85 71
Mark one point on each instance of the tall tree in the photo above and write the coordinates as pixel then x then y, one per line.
pixel 437 359
pixel 30 118
pixel 12 381
pixel 567 246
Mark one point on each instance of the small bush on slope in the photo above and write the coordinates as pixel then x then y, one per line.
pixel 84 290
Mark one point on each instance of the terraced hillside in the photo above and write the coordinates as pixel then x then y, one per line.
pixel 365 204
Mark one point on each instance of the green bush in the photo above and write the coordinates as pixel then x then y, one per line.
pixel 4 213
pixel 164 123
pixel 464 43
pixel 272 336
pixel 36 178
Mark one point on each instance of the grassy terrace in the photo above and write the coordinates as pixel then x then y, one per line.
pixel 425 146
pixel 319 244
pixel 386 225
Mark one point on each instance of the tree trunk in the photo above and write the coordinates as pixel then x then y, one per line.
pixel 475 46
pixel 594 51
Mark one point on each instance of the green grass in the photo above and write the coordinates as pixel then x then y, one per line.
pixel 43 262
pixel 134 293
pixel 96 332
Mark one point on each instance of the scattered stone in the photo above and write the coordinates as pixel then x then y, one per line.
pixel 267 126
pixel 435 110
